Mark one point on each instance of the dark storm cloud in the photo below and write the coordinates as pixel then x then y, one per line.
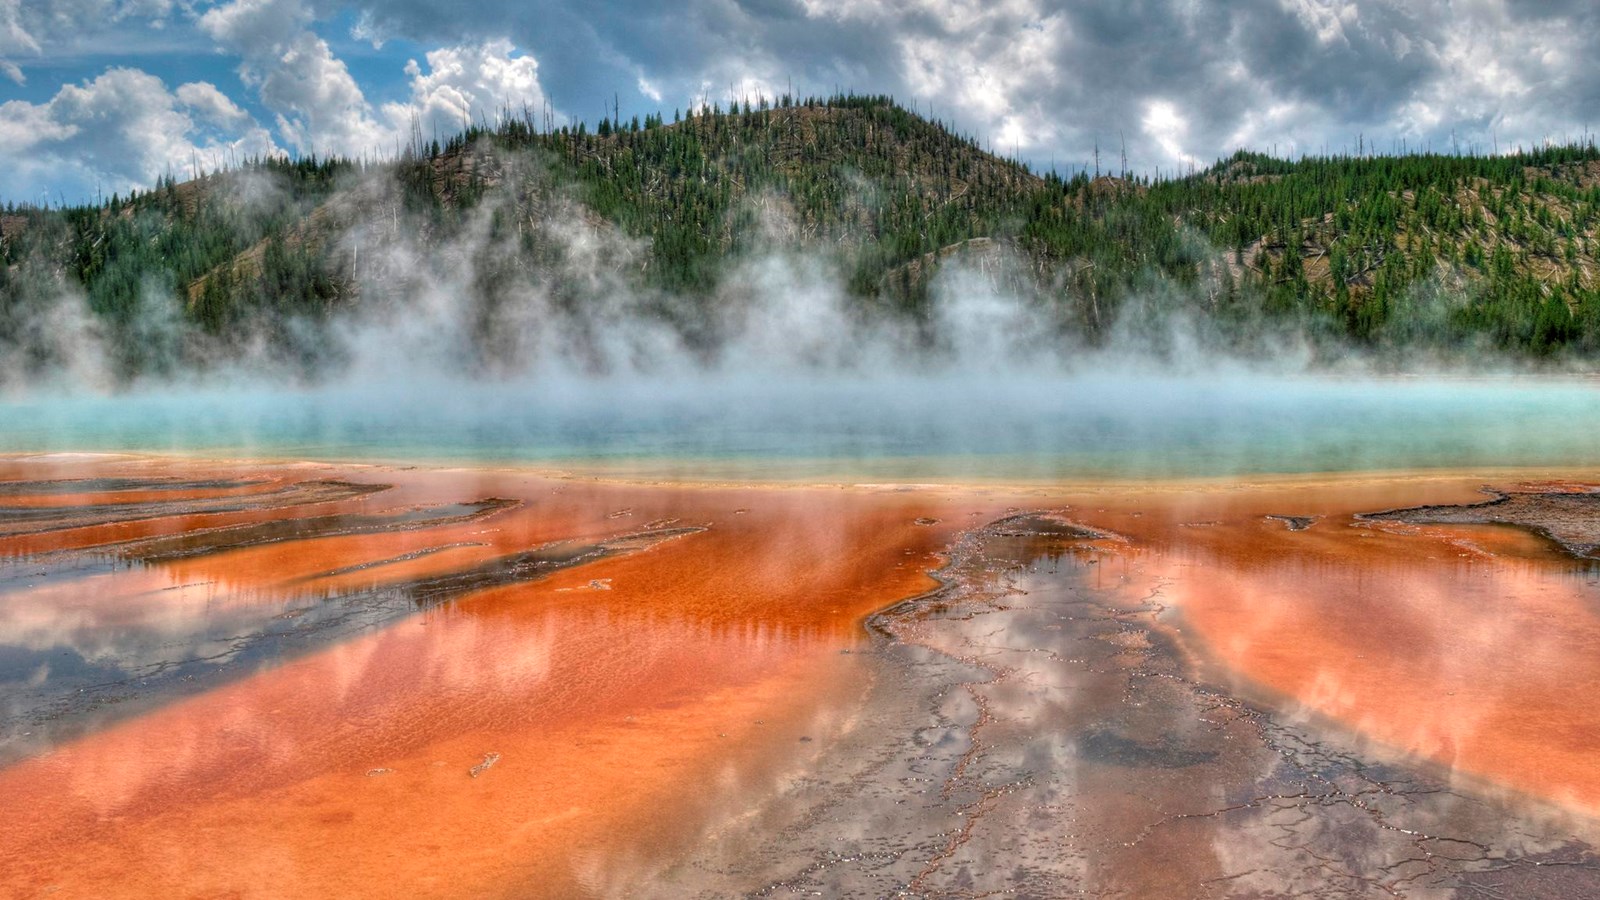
pixel 1356 68
pixel 1579 81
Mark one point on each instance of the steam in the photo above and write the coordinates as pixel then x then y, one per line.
pixel 463 345
pixel 464 303
pixel 53 342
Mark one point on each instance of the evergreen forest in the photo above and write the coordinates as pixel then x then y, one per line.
pixel 1442 254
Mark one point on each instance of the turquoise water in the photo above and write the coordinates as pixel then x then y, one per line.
pixel 1001 427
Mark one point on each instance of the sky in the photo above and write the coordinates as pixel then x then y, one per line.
pixel 102 96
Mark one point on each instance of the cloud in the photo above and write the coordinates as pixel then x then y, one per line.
pixel 469 83
pixel 210 104
pixel 1518 72
pixel 1049 79
pixel 682 51
pixel 123 129
pixel 23 126
pixel 648 89
pixel 14 40
pixel 257 28
pixel 1052 78
pixel 320 107
pixel 1168 127
pixel 35 29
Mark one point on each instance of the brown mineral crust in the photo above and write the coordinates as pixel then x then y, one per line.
pixel 1569 516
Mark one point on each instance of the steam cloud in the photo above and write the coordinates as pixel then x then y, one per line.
pixel 458 347
pixel 456 310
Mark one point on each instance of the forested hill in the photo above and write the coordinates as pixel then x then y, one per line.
pixel 1446 253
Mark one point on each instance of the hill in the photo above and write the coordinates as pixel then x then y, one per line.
pixel 1390 254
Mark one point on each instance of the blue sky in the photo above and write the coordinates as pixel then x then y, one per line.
pixel 105 95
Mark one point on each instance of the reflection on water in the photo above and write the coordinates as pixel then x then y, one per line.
pixel 200 542
pixel 1472 646
pixel 34 518
pixel 1064 745
pixel 104 631
pixel 517 688
pixel 491 682
pixel 117 486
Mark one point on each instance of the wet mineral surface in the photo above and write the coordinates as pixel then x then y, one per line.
pixel 1054 740
pixel 469 682
pixel 500 683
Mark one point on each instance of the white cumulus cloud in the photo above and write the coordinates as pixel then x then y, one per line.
pixel 210 104
pixel 319 106
pixel 473 83
pixel 121 130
